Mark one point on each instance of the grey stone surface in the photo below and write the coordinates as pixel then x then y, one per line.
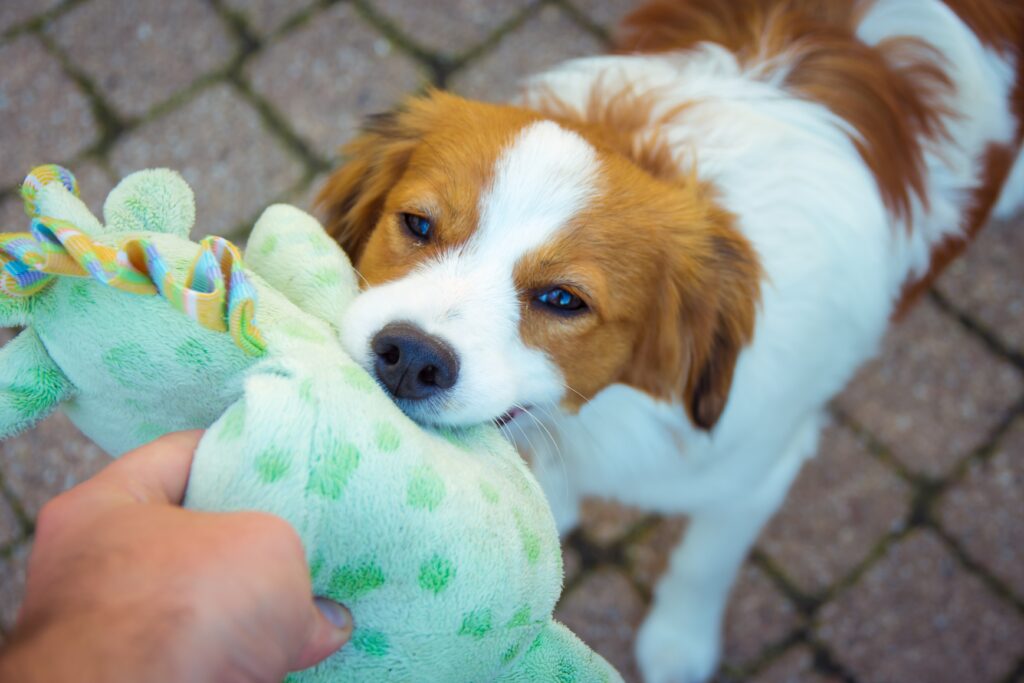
pixel 984 512
pixel 267 16
pixel 47 460
pixel 328 74
pixel 604 611
pixel 44 116
pixel 547 38
pixel 140 53
pixel 12 587
pixel 758 617
pixel 449 26
pixel 843 502
pixel 218 142
pixel 796 665
pixel 934 394
pixel 919 616
pixel 988 282
pixel 604 522
pixel 16 12
pixel 10 526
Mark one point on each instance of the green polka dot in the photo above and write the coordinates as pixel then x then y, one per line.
pixel 476 624
pixel 370 641
pixel 272 465
pixel 436 573
pixel 269 245
pixel 80 295
pixel 356 377
pixel 332 470
pixel 566 672
pixel 327 277
pixel 529 538
pixel 509 654
pixel 192 353
pixel 306 390
pixel 425 489
pixel 46 386
pixel 316 565
pixel 232 423
pixel 297 328
pixel 453 436
pixel 128 363
pixel 489 493
pixel 350 582
pixel 387 437
pixel 520 618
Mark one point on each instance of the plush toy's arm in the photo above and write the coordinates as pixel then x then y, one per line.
pixel 290 250
pixel 558 655
pixel 31 386
pixel 14 311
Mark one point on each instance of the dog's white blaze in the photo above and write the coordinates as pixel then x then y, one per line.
pixel 468 297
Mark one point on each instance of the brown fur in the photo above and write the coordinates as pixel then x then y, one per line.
pixel 887 94
pixel 671 285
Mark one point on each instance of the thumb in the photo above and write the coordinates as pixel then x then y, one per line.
pixel 331 628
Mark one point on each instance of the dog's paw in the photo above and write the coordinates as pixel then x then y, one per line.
pixel 671 650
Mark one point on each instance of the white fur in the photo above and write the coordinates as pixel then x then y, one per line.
pixel 468 297
pixel 835 262
pixel 834 258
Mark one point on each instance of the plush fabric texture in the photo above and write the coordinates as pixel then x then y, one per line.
pixel 440 543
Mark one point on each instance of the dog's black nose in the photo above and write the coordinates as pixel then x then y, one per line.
pixel 411 363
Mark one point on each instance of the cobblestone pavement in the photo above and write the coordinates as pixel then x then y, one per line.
pixel 899 557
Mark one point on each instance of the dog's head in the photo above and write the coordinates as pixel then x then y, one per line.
pixel 514 260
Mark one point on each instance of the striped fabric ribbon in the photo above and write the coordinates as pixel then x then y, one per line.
pixel 216 292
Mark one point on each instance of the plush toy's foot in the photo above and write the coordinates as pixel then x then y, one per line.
pixel 31 386
pixel 558 655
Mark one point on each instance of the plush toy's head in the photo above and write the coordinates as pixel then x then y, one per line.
pixel 440 544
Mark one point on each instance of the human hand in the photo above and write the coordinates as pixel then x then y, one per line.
pixel 124 585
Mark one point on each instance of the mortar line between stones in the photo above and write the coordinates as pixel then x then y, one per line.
pixel 584 22
pixel 991 581
pixel 38 21
pixel 990 340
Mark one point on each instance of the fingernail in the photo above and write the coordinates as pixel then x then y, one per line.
pixel 333 612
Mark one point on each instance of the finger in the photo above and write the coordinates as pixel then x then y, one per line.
pixel 331 628
pixel 154 473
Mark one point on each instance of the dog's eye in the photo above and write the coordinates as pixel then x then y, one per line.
pixel 561 299
pixel 419 226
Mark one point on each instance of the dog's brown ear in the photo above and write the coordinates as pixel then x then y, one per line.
pixel 700 322
pixel 352 198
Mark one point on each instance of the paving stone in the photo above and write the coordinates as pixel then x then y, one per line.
pixel 796 665
pixel 47 460
pixel 988 282
pixel 934 394
pixel 606 13
pixel 917 615
pixel 327 75
pixel 546 39
pixel 843 502
pixel 449 26
pixel 647 557
pixel 12 584
pixel 10 525
pixel 220 145
pixel 605 610
pixel 758 616
pixel 141 53
pixel 604 522
pixel 572 564
pixel 986 511
pixel 44 116
pixel 267 16
pixel 17 12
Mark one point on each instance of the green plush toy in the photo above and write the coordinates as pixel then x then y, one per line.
pixel 440 544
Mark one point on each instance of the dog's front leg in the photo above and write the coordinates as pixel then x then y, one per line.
pixel 680 641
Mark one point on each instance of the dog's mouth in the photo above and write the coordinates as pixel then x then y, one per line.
pixel 509 416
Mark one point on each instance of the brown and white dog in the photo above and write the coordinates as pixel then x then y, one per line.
pixel 658 266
